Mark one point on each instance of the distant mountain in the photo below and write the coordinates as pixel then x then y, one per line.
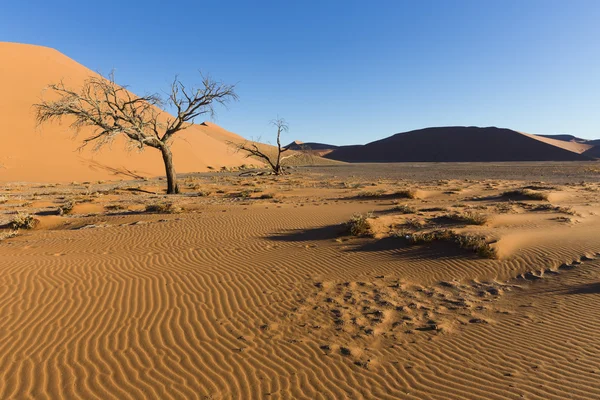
pixel 463 144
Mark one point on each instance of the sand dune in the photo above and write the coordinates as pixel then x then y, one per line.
pixel 255 290
pixel 462 144
pixel 49 154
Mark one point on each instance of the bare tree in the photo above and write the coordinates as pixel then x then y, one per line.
pixel 111 111
pixel 274 161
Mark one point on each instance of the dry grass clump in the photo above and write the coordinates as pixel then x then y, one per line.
pixel 370 193
pixel 66 208
pixel 477 244
pixel 415 223
pixel 244 194
pixel 504 208
pixel 433 209
pixel 359 225
pixel 163 208
pixel 468 217
pixel 526 193
pixel 550 207
pixel 404 209
pixel 23 221
pixel 3 199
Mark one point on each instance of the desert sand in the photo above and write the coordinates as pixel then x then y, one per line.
pixel 255 287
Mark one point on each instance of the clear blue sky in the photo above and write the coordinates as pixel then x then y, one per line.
pixel 345 71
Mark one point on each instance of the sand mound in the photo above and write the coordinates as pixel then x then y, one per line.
pixel 49 154
pixel 461 144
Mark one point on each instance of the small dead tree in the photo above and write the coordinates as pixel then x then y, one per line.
pixel 274 161
pixel 111 111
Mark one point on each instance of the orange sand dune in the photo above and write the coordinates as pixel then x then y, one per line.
pixel 49 154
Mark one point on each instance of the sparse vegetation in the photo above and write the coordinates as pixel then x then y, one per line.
pixel 366 194
pixel 163 208
pixel 552 208
pixel 66 208
pixel 359 225
pixel 477 244
pixel 274 161
pixel 526 193
pixel 468 217
pixel 23 221
pixel 404 209
pixel 3 199
pixel 111 110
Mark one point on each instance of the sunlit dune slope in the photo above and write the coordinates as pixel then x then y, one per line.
pixel 49 153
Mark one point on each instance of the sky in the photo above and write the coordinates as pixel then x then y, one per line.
pixel 344 72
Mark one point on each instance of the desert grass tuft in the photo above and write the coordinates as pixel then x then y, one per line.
pixel 359 225
pixel 526 193
pixel 468 217
pixel 163 208
pixel 475 243
pixel 23 221
pixel 404 209
pixel 66 208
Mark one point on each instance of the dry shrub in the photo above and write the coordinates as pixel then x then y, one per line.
pixel 163 208
pixel 475 243
pixel 405 209
pixel 66 208
pixel 23 221
pixel 552 208
pixel 526 193
pixel 371 193
pixel 468 217
pixel 359 225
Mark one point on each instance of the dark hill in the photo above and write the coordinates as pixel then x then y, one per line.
pixel 456 144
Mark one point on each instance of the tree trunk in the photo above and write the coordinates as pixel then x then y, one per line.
pixel 172 187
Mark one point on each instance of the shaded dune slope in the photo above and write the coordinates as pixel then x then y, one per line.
pixel 458 144
pixel 49 153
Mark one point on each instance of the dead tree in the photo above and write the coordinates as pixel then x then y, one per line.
pixel 112 111
pixel 274 161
